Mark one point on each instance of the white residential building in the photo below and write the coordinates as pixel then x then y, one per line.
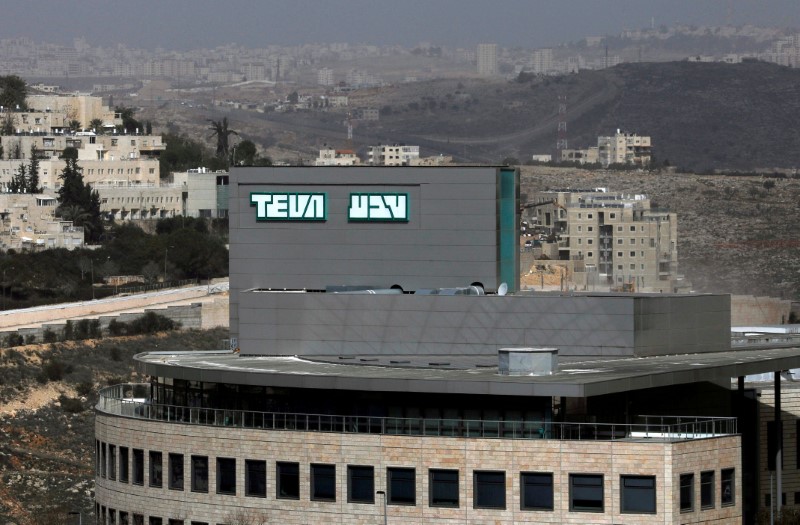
pixel 396 155
pixel 624 148
pixel 325 76
pixel 487 59
pixel 337 157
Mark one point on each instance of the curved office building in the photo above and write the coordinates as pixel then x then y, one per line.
pixel 384 367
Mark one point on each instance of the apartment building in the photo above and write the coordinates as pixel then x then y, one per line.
pixel 80 107
pixel 28 222
pixel 394 155
pixel 337 157
pixel 581 156
pixel 384 367
pixel 487 59
pixel 610 240
pixel 624 148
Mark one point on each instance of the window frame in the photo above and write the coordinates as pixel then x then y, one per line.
pixel 282 469
pixel 262 471
pixel 628 493
pixel 355 475
pixel 574 486
pixel 124 467
pixel 174 459
pixel 195 472
pixel 433 483
pixel 710 489
pixel 137 468
pixel 390 471
pixel 488 484
pixel 322 471
pixel 155 469
pixel 523 484
pixel 226 467
pixel 686 480
pixel 731 500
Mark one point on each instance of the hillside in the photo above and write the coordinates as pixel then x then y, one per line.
pixel 735 234
pixel 700 115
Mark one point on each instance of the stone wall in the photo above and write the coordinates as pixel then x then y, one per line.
pixel 748 310
pixel 611 459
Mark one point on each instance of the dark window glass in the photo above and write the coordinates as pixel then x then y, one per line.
pixel 489 489
pixel 360 484
pixel 288 476
pixel 155 521
pixel 772 443
pixel 176 471
pixel 323 482
pixel 586 492
pixel 638 494
pixel 199 523
pixel 537 491
pixel 402 486
pixel 199 474
pixel 123 518
pixel 727 486
pixel 112 462
pixel 123 464
pixel 156 468
pixel 255 478
pixel 687 492
pixel 138 519
pixel 96 457
pixel 707 489
pixel 103 459
pixel 443 488
pixel 112 517
pixel 138 466
pixel 226 476
pixel 174 522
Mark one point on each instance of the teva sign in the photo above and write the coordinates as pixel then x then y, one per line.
pixel 379 207
pixel 364 207
pixel 289 206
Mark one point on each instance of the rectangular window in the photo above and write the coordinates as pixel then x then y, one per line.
pixel 586 492
pixel 103 459
pixel 155 520
pixel 123 464
pixel 489 489
pixel 138 519
pixel 537 491
pixel 156 467
pixel 707 489
pixel 174 522
pixel 226 476
pixel 687 492
pixel 199 474
pixel 138 466
pixel 360 484
pixel 96 457
pixel 633 241
pixel 443 488
pixel 112 462
pixel 633 228
pixel 323 482
pixel 638 494
pixel 255 478
pixel 123 518
pixel 727 487
pixel 176 471
pixel 288 477
pixel 402 486
pixel 633 254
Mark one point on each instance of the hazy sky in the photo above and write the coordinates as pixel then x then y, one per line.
pixel 186 24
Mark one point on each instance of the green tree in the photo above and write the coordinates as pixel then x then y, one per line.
pixel 181 154
pixel 8 124
pixel 129 122
pixel 74 125
pixel 245 153
pixel 293 97
pixel 77 200
pixel 32 185
pixel 221 130
pixel 18 182
pixel 96 125
pixel 13 92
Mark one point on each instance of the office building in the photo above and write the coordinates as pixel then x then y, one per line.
pixel 487 59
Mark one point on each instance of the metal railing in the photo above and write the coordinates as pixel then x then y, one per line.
pixel 131 400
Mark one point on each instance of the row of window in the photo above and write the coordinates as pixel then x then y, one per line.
pixel 586 491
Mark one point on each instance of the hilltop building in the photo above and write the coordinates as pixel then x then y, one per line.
pixel 28 222
pixel 609 240
pixel 581 156
pixel 487 59
pixel 384 364
pixel 394 155
pixel 337 157
pixel 624 148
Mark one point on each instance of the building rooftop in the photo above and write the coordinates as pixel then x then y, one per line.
pixel 576 377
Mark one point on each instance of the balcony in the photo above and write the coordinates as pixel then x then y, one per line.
pixel 131 400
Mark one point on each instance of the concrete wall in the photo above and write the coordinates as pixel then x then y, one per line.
pixel 749 310
pixel 612 459
pixel 336 324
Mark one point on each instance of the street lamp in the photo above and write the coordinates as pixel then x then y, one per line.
pixel 385 517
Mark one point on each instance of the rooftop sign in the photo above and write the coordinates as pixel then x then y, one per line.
pixel 289 206
pixel 378 207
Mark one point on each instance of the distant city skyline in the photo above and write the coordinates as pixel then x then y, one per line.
pixel 196 24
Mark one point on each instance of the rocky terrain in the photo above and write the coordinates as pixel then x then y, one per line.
pixel 736 234
pixel 47 397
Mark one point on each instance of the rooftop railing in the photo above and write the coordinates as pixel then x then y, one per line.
pixel 131 400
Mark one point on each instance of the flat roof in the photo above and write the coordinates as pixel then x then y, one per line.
pixel 577 377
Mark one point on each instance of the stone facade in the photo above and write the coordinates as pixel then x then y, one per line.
pixel 665 461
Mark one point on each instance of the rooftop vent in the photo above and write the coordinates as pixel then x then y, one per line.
pixel 527 361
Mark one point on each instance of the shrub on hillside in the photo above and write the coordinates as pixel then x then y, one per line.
pixel 149 323
pixel 71 405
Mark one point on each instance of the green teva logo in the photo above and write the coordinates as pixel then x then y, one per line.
pixel 378 207
pixel 289 206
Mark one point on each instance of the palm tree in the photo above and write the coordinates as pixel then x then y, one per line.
pixel 219 128
pixel 96 124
